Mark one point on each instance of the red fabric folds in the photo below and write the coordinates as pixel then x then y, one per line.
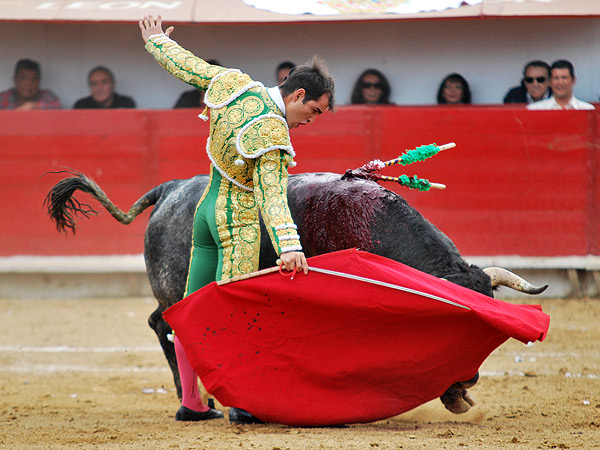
pixel 323 349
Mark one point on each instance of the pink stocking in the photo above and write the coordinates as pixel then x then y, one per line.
pixel 190 394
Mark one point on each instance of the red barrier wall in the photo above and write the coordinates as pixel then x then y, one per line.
pixel 519 182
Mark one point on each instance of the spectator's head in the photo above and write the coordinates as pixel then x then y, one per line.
pixel 102 85
pixel 536 79
pixel 308 91
pixel 562 79
pixel 372 87
pixel 283 70
pixel 454 90
pixel 27 79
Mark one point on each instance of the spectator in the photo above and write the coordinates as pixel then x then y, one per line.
pixel 562 80
pixel 194 98
pixel 371 88
pixel 535 85
pixel 102 87
pixel 26 94
pixel 283 70
pixel 454 90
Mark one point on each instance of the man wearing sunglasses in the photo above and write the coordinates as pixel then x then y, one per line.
pixel 535 85
pixel 562 81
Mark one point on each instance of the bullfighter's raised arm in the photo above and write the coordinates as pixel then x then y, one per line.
pixel 179 62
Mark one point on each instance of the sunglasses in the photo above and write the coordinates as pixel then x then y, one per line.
pixel 371 85
pixel 538 79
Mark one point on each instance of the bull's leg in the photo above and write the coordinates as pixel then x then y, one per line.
pixel 456 399
pixel 162 329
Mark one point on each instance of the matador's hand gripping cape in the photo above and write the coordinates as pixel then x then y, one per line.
pixel 361 339
pixel 249 142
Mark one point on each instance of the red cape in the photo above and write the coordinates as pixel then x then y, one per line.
pixel 324 349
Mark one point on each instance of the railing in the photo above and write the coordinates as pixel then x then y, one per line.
pixel 519 182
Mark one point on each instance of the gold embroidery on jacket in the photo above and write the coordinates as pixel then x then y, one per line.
pixel 225 86
pixel 183 64
pixel 238 227
pixel 265 133
pixel 266 174
pixel 270 180
pixel 247 232
pixel 221 220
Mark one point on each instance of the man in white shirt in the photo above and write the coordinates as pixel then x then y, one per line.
pixel 562 80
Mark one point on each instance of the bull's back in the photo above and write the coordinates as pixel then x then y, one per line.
pixel 331 213
pixel 334 213
pixel 168 237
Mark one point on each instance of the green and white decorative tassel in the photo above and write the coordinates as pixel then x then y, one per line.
pixel 410 156
pixel 419 154
pixel 420 184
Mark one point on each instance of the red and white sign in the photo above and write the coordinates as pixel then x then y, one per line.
pixel 328 7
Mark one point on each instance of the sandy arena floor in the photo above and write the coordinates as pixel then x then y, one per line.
pixel 89 374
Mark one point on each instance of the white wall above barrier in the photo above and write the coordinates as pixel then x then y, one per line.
pixel 271 11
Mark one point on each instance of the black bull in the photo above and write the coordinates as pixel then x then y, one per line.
pixel 332 213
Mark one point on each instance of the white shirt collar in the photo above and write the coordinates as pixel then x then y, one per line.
pixel 275 94
pixel 571 104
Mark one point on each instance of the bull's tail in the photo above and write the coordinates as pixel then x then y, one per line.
pixel 63 207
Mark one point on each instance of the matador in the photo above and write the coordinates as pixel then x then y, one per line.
pixel 250 151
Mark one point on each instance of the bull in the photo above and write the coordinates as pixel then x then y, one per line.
pixel 332 212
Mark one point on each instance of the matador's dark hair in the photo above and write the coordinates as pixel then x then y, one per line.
pixel 314 78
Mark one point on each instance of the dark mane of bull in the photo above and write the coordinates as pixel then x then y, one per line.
pixel 426 248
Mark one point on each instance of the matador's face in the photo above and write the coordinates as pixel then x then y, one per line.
pixel 300 113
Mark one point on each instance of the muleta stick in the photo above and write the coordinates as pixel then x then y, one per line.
pixel 248 275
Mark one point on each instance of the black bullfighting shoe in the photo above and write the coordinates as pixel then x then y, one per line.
pixel 189 415
pixel 239 416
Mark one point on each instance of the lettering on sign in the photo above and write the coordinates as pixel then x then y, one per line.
pixel 88 6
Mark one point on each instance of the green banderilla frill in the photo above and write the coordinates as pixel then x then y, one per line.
pixel 419 184
pixel 419 154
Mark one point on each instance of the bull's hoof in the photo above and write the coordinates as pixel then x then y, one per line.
pixel 189 415
pixel 456 399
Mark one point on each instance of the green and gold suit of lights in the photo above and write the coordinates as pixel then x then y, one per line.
pixel 250 151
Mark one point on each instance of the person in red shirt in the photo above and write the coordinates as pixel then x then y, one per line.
pixel 26 94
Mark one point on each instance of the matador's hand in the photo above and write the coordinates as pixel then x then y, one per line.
pixel 294 260
pixel 150 27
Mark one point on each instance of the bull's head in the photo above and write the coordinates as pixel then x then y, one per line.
pixel 486 280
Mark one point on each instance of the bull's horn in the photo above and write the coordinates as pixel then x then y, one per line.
pixel 503 277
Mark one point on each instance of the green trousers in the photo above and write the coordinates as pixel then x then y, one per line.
pixel 226 236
